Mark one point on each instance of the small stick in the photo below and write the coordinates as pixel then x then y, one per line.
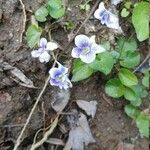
pixel 24 20
pixel 87 18
pixel 31 112
pixel 46 135
pixel 30 115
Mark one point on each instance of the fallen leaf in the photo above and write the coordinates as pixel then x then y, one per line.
pixel 80 134
pixel 88 107
pixel 60 99
pixel 17 73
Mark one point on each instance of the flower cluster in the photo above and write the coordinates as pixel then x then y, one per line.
pixel 106 17
pixel 86 48
pixel 59 77
pixel 43 51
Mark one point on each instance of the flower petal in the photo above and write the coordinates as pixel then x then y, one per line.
pixel 113 22
pixel 43 42
pixel 44 57
pixel 100 9
pixel 51 46
pixel 97 48
pixel 76 52
pixel 101 6
pixel 92 39
pixel 35 53
pixel 82 41
pixel 62 69
pixel 54 72
pixel 88 58
pixel 53 82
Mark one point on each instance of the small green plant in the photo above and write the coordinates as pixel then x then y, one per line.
pixel 124 83
pixel 85 6
pixel 33 35
pixel 126 9
pixel 140 17
pixel 141 119
pixel 54 8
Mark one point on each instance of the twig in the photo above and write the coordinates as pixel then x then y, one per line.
pixel 30 115
pixel 46 135
pixel 87 18
pixel 23 84
pixel 141 64
pixel 24 20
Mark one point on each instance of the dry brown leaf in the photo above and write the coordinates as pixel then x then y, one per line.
pixel 88 107
pixel 18 74
pixel 80 135
pixel 60 99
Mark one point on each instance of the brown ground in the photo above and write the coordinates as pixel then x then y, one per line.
pixel 110 127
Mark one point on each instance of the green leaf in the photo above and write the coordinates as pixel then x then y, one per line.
pixel 145 80
pixel 132 111
pixel 140 20
pixel 142 123
pixel 130 94
pixel 33 34
pixel 77 65
pixel 81 71
pixel 128 5
pixel 106 45
pixel 115 55
pixel 127 77
pixel 124 12
pixel 55 4
pixel 114 88
pixel 137 102
pixel 57 13
pixel 142 120
pixel 131 59
pixel 140 92
pixel 56 9
pixel 41 14
pixel 104 63
pixel 124 45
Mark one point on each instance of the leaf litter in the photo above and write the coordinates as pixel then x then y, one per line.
pixel 15 72
pixel 88 107
pixel 80 134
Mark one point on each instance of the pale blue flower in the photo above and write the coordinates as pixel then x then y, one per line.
pixel 59 77
pixel 43 51
pixel 106 17
pixel 86 48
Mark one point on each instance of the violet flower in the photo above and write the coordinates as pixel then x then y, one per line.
pixel 43 51
pixel 86 48
pixel 59 77
pixel 106 17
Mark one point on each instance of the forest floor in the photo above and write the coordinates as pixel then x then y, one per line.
pixel 111 127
